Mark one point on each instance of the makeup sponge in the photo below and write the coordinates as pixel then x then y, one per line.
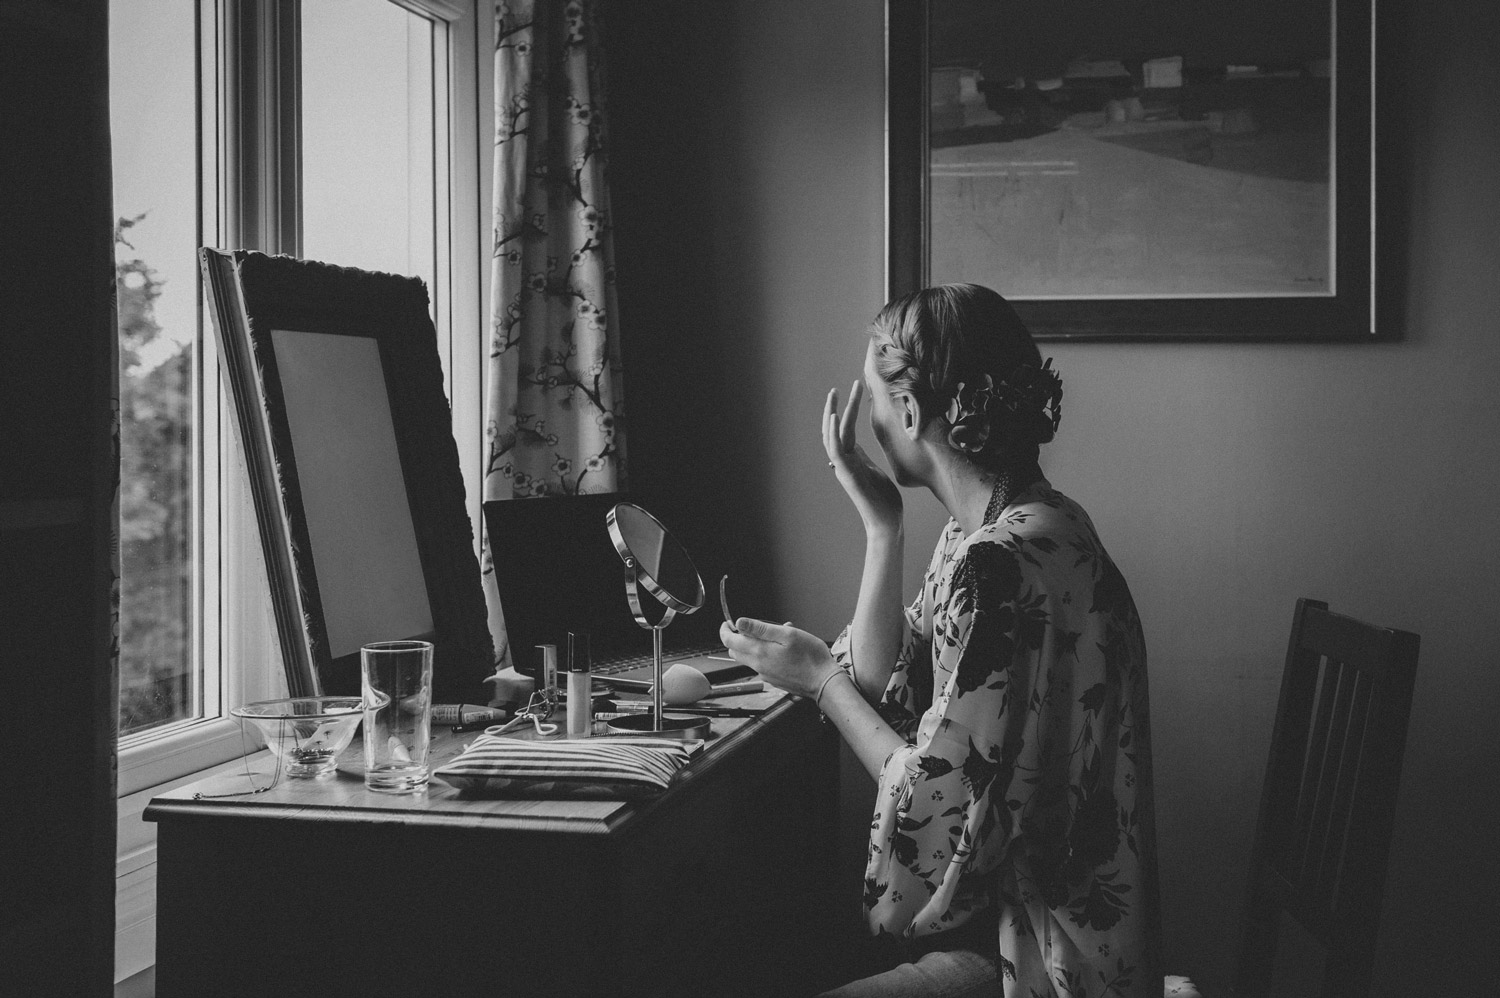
pixel 681 683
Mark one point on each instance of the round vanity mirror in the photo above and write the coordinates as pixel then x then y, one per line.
pixel 662 564
pixel 656 562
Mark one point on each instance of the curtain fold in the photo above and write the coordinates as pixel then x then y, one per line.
pixel 553 394
pixel 59 500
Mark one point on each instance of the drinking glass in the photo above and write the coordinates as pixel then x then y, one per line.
pixel 398 732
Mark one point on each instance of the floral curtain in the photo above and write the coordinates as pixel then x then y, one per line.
pixel 553 406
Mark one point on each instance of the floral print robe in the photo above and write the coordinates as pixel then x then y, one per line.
pixel 1025 788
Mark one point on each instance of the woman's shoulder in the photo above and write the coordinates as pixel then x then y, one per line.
pixel 1042 557
pixel 1043 539
pixel 1037 516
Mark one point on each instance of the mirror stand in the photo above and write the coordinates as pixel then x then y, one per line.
pixel 633 593
pixel 655 723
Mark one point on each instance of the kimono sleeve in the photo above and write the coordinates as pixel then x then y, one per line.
pixel 909 690
pixel 941 822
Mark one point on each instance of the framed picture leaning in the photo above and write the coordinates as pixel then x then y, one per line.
pixel 337 388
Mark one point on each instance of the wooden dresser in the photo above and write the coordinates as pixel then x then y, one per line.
pixel 718 886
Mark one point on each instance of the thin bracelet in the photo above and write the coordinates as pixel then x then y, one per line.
pixel 853 678
pixel 818 697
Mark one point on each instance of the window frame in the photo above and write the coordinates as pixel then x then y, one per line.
pixel 249 80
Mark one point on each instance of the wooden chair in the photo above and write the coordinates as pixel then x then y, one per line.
pixel 1324 829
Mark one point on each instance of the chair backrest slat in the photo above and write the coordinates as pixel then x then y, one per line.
pixel 1284 791
pixel 1325 778
pixel 1310 755
pixel 1341 801
pixel 1323 832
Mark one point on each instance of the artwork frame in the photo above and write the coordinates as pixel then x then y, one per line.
pixel 366 537
pixel 1346 312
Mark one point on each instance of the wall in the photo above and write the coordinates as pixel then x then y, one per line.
pixel 1227 480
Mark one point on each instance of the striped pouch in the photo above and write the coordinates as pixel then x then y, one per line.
pixel 619 767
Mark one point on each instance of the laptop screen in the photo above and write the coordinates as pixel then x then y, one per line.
pixel 556 570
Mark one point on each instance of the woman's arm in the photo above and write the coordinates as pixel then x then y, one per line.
pixel 800 663
pixel 879 621
pixel 871 738
pixel 876 633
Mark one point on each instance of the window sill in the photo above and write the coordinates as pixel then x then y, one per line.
pixel 185 753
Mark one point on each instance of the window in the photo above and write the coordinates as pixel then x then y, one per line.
pixel 341 130
pixel 154 119
pixel 368 126
pixel 380 170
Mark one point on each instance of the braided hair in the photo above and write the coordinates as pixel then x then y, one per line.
pixel 962 352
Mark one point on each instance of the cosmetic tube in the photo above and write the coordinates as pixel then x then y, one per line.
pixel 549 668
pixel 466 714
pixel 580 702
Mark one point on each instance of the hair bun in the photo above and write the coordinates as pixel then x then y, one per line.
pixel 1042 428
pixel 1026 405
pixel 970 434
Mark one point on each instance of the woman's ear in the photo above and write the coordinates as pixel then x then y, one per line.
pixel 910 411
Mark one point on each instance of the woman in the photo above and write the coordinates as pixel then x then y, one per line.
pixel 1004 713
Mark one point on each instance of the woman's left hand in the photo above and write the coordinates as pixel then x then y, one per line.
pixel 784 656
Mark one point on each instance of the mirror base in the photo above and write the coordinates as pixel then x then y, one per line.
pixel 681 727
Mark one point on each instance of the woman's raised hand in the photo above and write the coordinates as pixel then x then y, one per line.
pixel 874 495
pixel 785 656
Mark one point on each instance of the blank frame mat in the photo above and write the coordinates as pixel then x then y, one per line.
pixel 359 522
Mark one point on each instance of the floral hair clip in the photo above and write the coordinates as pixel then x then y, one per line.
pixel 1028 389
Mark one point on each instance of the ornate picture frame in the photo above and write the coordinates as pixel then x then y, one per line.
pixel 1142 191
pixel 337 387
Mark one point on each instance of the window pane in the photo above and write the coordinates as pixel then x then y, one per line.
pixel 367 137
pixel 153 111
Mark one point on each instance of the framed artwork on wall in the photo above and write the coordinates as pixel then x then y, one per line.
pixel 1153 170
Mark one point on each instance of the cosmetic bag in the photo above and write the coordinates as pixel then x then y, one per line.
pixel 619 767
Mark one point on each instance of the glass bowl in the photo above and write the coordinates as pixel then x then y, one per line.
pixel 305 734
